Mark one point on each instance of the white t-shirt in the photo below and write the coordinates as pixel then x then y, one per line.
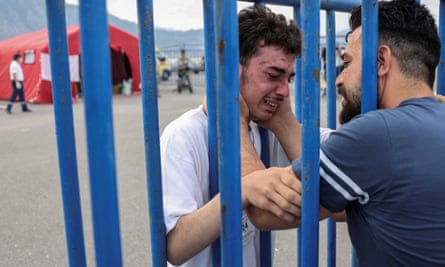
pixel 185 178
pixel 17 69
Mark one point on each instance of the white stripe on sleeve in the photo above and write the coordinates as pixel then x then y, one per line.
pixel 355 190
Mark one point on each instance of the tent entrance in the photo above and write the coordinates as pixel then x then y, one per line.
pixel 122 78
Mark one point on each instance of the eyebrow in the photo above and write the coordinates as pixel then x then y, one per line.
pixel 277 69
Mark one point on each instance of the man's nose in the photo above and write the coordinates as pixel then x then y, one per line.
pixel 339 80
pixel 283 89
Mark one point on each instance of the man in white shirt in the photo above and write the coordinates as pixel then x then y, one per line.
pixel 269 45
pixel 17 78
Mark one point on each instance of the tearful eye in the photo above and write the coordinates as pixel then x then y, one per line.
pixel 273 76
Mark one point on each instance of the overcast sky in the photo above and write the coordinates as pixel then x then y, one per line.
pixel 187 14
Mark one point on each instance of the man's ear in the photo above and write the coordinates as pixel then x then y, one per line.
pixel 383 60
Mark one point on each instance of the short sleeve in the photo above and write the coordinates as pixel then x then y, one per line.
pixel 184 164
pixel 354 161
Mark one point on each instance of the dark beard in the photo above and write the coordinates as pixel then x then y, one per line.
pixel 350 110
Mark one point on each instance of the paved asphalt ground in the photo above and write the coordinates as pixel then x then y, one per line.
pixel 31 217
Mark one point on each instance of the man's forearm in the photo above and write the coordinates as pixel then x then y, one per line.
pixel 250 161
pixel 194 232
pixel 289 135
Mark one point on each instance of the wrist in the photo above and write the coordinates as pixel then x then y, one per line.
pixel 244 124
pixel 283 125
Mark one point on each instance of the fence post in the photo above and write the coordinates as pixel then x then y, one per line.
pixel 370 12
pixel 151 132
pixel 99 128
pixel 311 138
pixel 66 147
pixel 331 95
pixel 210 74
pixel 227 92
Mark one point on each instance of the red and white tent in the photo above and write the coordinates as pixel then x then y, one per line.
pixel 33 47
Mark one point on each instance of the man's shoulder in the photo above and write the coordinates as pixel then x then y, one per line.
pixel 14 65
pixel 363 133
pixel 366 122
pixel 191 120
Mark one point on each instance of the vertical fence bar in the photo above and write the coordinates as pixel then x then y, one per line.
pixel 66 147
pixel 298 70
pixel 151 132
pixel 330 68
pixel 369 54
pixel 311 137
pixel 369 63
pixel 265 236
pixel 298 106
pixel 99 128
pixel 227 92
pixel 354 262
pixel 331 117
pixel 441 67
pixel 210 61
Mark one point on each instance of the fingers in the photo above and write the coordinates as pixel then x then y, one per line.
pixel 277 212
pixel 276 190
pixel 282 207
pixel 287 199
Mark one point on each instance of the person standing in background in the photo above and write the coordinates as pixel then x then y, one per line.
pixel 184 72
pixel 17 78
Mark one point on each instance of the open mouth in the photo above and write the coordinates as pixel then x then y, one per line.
pixel 270 103
pixel 273 101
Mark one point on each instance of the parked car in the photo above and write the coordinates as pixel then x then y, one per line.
pixel 173 64
pixel 163 65
pixel 197 64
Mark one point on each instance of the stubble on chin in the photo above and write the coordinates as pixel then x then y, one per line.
pixel 351 109
pixel 347 115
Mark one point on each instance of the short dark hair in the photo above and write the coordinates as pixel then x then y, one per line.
pixel 409 29
pixel 258 25
pixel 16 56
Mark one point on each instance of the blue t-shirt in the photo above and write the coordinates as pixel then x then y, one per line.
pixel 386 169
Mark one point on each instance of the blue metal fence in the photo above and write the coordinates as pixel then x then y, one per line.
pixel 222 93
